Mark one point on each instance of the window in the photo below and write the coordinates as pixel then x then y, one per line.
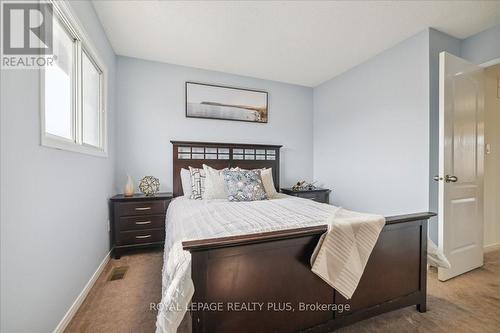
pixel 91 99
pixel 59 85
pixel 72 91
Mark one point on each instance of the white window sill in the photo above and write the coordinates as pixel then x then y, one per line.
pixel 60 144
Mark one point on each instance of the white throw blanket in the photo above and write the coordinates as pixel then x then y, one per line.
pixel 436 257
pixel 342 253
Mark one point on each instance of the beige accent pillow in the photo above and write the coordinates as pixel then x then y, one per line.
pixel 214 183
pixel 267 180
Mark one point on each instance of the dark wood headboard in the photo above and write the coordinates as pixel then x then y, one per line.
pixel 223 155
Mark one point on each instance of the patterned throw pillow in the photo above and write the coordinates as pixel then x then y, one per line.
pixel 266 174
pixel 244 185
pixel 197 183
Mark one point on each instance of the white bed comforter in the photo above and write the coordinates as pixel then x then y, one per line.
pixel 202 219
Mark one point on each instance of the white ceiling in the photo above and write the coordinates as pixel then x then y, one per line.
pixel 301 42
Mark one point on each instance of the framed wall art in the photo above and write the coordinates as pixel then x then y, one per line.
pixel 227 103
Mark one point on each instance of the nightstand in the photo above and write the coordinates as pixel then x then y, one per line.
pixel 320 194
pixel 137 221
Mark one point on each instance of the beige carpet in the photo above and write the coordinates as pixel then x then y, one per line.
pixel 123 305
pixel 468 303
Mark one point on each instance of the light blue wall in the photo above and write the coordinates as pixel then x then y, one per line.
pixel 150 97
pixel 438 42
pixel 371 132
pixel 483 46
pixel 53 203
pixel 346 142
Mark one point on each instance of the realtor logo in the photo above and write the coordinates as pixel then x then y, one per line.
pixel 27 28
pixel 27 41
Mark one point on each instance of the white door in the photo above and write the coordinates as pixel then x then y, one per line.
pixel 461 159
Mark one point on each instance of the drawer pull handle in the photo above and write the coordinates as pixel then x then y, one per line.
pixel 142 237
pixel 142 208
pixel 144 222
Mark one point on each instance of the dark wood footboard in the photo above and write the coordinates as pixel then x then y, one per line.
pixel 263 282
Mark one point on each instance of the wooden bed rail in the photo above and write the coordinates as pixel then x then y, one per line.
pixel 409 217
pixel 212 243
pixel 273 268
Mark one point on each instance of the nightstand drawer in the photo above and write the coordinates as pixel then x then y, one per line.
pixel 141 236
pixel 316 196
pixel 141 208
pixel 141 222
pixel 319 194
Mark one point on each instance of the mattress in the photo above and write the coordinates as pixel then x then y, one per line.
pixel 201 219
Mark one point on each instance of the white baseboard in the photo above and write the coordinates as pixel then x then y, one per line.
pixel 491 247
pixel 83 294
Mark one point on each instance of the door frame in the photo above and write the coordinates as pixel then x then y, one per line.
pixel 485 65
pixel 490 63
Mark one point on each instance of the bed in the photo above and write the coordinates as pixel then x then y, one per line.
pixel 245 267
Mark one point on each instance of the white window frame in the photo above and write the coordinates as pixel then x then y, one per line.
pixel 83 44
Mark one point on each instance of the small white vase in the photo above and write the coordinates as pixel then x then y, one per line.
pixel 129 187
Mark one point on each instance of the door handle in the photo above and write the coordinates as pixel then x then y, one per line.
pixel 452 179
pixel 437 178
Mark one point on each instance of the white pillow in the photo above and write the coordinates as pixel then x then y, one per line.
pixel 186 182
pixel 214 183
pixel 267 180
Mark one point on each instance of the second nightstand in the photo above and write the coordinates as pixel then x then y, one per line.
pixel 138 221
pixel 320 194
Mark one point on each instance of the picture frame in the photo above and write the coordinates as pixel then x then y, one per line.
pixel 212 101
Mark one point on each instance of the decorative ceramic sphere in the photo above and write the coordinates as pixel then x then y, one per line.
pixel 149 185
